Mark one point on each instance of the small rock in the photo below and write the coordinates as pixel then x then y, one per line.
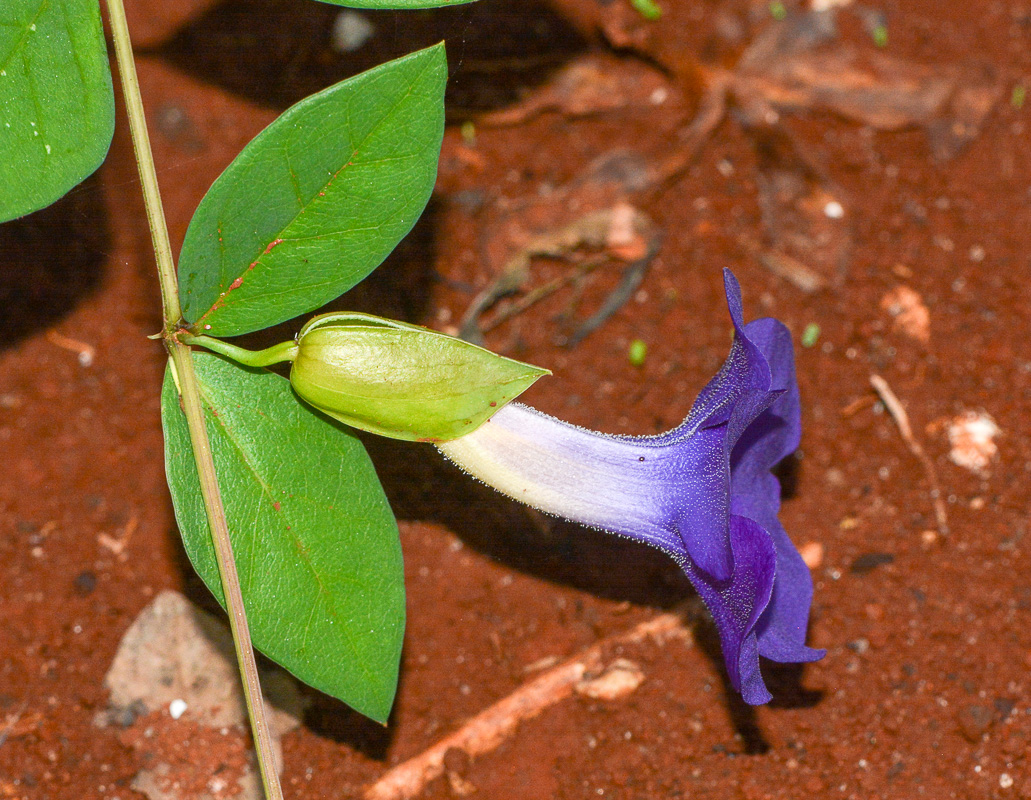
pixel 175 656
pixel 974 721
pixel 972 438
pixel 177 708
pixel 812 554
pixel 868 562
pixel 909 312
pixel 620 678
pixel 85 582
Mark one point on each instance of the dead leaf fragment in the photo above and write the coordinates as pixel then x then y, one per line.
pixel 792 67
pixel 591 85
pixel 909 312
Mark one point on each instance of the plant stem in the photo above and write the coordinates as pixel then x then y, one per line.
pixel 182 358
pixel 277 354
pixel 182 361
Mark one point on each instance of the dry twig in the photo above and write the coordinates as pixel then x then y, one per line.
pixel 785 266
pixel 898 413
pixel 491 727
pixel 85 352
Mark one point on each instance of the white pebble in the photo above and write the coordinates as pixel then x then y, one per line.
pixel 834 210
pixel 351 30
pixel 622 677
pixel 177 708
pixel 972 440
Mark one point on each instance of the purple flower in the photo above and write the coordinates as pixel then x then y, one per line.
pixel 703 492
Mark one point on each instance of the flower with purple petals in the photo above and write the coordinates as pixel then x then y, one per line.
pixel 703 492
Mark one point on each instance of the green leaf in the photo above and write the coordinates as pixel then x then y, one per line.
pixel 396 5
pixel 57 108
pixel 317 200
pixel 315 541
pixel 401 380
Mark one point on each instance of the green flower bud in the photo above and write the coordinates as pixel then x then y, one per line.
pixel 400 380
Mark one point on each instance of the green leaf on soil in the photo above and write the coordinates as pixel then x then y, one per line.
pixel 316 544
pixel 317 200
pixel 57 108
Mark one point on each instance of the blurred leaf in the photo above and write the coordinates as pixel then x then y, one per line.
pixel 57 110
pixel 315 541
pixel 647 9
pixel 317 200
pixel 396 5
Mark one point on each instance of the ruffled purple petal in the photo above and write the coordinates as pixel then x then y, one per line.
pixel 737 604
pixel 744 370
pixel 755 493
pixel 698 500
pixel 741 392
pixel 781 629
pixel 774 434
pixel 753 403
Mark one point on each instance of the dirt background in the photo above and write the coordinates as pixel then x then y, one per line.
pixel 924 691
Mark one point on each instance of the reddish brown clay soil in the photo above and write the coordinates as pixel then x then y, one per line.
pixel 924 691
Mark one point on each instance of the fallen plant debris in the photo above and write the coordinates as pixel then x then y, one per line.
pixel 787 71
pixel 18 723
pixel 785 266
pixel 909 313
pixel 618 680
pixel 584 673
pixel 796 65
pixel 593 84
pixel 898 413
pixel 86 352
pixel 621 234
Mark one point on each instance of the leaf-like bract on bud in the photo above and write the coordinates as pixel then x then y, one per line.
pixel 402 381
